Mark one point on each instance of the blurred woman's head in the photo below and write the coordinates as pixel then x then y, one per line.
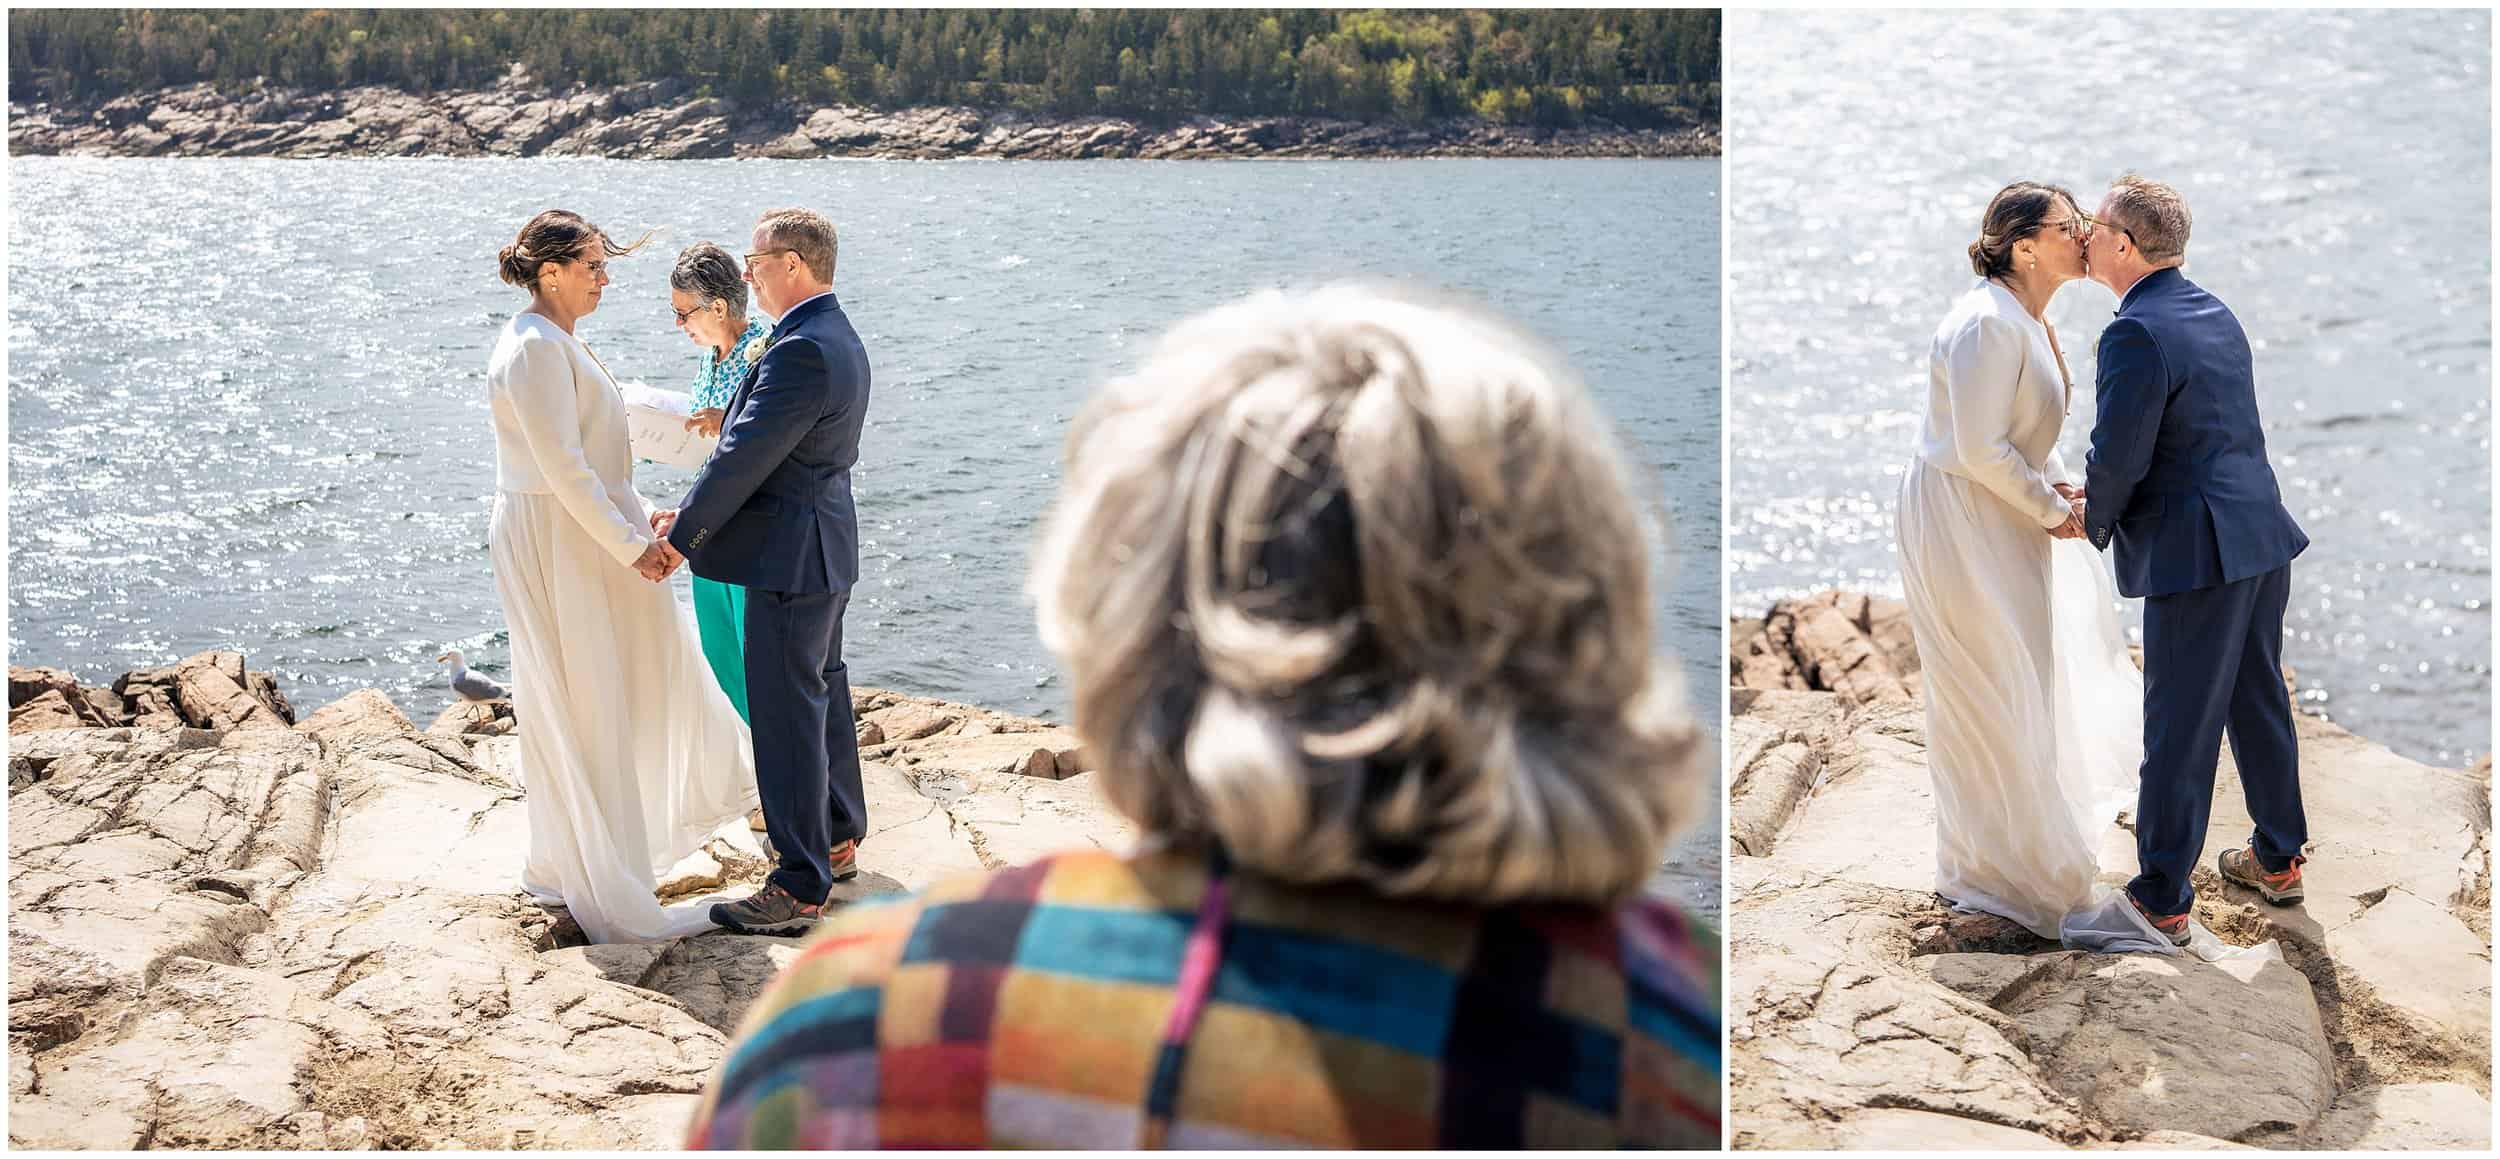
pixel 562 260
pixel 1354 585
pixel 708 293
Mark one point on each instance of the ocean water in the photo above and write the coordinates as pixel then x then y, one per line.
pixel 247 403
pixel 2338 168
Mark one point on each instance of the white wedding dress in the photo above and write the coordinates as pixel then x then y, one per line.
pixel 2034 709
pixel 631 756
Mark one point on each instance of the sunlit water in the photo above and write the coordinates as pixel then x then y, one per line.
pixel 2338 168
pixel 247 401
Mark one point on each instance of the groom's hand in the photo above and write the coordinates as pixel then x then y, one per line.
pixel 662 520
pixel 2071 529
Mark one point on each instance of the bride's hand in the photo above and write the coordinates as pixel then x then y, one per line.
pixel 2071 529
pixel 2073 496
pixel 653 563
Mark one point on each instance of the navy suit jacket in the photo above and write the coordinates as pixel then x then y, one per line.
pixel 2177 478
pixel 772 508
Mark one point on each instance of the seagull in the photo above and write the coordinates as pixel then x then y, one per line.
pixel 470 685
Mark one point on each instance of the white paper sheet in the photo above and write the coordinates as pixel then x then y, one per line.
pixel 655 421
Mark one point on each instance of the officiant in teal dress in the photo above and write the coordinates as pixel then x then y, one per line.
pixel 707 291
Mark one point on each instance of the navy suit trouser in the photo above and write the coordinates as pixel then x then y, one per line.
pixel 806 754
pixel 2213 664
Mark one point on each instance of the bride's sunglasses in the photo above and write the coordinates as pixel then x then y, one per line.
pixel 2083 225
pixel 2077 227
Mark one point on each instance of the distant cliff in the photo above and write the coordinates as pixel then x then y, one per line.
pixel 664 121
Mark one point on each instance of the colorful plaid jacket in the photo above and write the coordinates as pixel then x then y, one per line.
pixel 1098 1002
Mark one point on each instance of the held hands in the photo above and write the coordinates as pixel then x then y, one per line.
pixel 2073 527
pixel 657 561
pixel 662 557
pixel 706 422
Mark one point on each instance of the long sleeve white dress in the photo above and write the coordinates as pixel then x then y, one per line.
pixel 2034 710
pixel 630 754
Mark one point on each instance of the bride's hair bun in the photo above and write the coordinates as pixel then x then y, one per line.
pixel 515 269
pixel 2015 213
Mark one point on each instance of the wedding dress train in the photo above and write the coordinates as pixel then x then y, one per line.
pixel 2034 708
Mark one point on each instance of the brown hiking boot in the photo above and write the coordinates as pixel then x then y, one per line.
pixel 2174 927
pixel 2241 867
pixel 770 910
pixel 842 861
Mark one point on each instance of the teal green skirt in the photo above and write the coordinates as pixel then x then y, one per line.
pixel 720 615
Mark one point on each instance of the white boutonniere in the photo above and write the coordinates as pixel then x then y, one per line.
pixel 755 347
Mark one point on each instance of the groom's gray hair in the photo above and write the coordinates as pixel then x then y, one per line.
pixel 1355 586
pixel 804 232
pixel 2154 215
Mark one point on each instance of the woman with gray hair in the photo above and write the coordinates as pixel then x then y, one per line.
pixel 1354 600
pixel 708 293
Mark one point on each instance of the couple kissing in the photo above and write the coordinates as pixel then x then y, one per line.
pixel 2040 729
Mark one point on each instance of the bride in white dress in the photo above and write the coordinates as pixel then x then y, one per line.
pixel 2034 710
pixel 630 754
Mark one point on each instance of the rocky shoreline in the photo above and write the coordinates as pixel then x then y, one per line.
pixel 230 928
pixel 1862 1013
pixel 233 928
pixel 665 121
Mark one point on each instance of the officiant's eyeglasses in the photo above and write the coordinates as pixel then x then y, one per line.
pixel 689 312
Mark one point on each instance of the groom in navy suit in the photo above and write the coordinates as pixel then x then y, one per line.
pixel 2178 482
pixel 771 512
